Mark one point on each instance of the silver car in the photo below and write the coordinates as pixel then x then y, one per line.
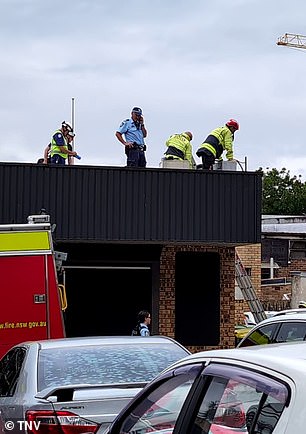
pixel 253 390
pixel 77 385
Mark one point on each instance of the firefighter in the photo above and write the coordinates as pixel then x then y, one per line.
pixel 219 140
pixel 180 148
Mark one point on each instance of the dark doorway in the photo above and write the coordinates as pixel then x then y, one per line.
pixel 197 298
pixel 105 301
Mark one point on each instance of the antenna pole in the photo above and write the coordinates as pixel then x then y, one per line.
pixel 72 112
pixel 72 118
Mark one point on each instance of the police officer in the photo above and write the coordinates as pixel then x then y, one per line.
pixel 131 134
pixel 219 140
pixel 59 150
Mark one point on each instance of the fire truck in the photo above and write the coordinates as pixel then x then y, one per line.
pixel 32 300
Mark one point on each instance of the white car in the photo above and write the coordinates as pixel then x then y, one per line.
pixel 249 318
pixel 254 390
pixel 286 327
pixel 290 311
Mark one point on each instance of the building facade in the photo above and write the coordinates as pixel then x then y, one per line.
pixel 157 239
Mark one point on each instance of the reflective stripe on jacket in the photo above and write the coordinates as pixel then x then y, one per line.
pixel 179 147
pixel 55 149
pixel 219 140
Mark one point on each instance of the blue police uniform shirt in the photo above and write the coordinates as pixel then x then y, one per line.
pixel 144 330
pixel 131 132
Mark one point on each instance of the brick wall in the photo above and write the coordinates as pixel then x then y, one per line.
pixel 250 256
pixel 273 295
pixel 295 265
pixel 231 311
pixel 227 292
pixel 269 295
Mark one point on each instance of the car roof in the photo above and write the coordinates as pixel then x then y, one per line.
pixel 102 340
pixel 291 311
pixel 283 317
pixel 286 357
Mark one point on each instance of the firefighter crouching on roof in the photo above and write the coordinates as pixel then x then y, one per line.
pixel 219 140
pixel 180 148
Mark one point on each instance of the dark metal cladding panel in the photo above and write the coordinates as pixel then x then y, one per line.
pixel 145 205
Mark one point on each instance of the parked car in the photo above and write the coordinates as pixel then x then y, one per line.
pixel 279 328
pixel 249 318
pixel 77 385
pixel 240 332
pixel 290 311
pixel 249 390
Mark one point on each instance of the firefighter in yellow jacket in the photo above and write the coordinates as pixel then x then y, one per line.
pixel 219 140
pixel 179 147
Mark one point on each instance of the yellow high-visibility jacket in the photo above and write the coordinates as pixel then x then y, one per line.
pixel 55 148
pixel 179 148
pixel 219 140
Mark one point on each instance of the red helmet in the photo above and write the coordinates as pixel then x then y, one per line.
pixel 232 123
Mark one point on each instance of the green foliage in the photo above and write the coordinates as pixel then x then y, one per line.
pixel 282 194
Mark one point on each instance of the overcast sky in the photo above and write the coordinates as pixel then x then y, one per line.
pixel 190 65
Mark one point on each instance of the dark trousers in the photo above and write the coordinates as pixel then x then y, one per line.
pixel 57 159
pixel 208 158
pixel 135 158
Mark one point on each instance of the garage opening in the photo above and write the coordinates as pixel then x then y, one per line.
pixel 104 301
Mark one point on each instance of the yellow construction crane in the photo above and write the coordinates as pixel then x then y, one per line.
pixel 292 40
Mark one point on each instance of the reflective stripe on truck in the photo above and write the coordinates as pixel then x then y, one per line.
pixel 25 242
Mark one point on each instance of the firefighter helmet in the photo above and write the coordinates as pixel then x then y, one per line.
pixel 302 303
pixel 188 134
pixel 232 123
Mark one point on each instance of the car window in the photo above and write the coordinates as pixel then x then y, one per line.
pixel 219 399
pixel 291 331
pixel 108 364
pixel 262 335
pixel 238 400
pixel 10 367
pixel 159 410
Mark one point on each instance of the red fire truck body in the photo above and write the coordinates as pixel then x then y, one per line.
pixel 31 298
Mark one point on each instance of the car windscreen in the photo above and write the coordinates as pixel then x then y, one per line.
pixel 108 364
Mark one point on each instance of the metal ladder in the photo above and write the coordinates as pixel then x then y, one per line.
pixel 248 291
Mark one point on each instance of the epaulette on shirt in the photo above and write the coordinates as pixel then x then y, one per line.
pixel 123 122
